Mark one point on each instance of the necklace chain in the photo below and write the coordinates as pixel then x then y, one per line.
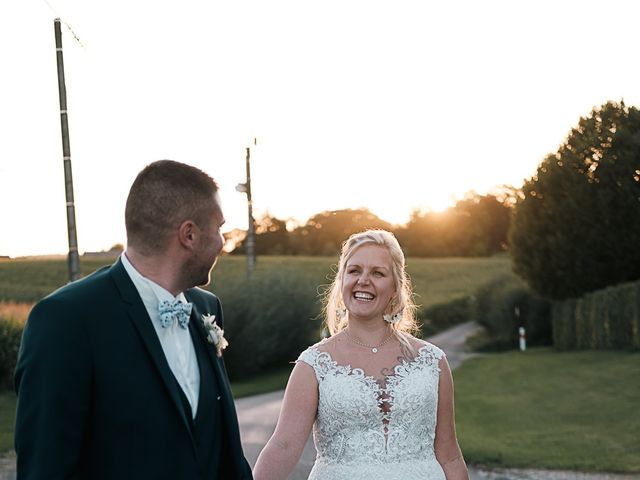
pixel 374 348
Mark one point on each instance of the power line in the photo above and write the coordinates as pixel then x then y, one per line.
pixel 57 14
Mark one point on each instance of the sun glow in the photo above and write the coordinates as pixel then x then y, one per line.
pixel 354 119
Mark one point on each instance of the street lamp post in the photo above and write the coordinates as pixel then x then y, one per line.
pixel 250 241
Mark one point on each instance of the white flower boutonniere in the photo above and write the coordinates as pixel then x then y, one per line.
pixel 215 334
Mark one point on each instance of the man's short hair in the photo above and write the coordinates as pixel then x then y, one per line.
pixel 163 195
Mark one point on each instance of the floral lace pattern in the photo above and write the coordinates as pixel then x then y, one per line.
pixel 364 430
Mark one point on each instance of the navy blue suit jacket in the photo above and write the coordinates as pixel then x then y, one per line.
pixel 96 396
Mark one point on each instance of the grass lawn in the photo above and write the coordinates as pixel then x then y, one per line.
pixel 544 409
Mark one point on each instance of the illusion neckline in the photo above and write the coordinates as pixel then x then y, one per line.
pixel 383 382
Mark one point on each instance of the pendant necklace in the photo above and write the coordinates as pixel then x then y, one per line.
pixel 374 348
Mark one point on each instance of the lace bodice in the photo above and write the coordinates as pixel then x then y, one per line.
pixel 363 428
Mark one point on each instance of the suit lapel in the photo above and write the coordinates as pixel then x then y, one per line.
pixel 140 318
pixel 197 326
pixel 229 415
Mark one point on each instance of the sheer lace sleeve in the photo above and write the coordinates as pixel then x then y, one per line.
pixel 310 357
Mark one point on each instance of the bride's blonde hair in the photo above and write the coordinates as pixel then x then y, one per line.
pixel 401 303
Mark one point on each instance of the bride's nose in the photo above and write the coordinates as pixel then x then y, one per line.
pixel 363 279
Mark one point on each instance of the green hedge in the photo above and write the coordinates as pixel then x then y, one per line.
pixel 438 317
pixel 601 320
pixel 10 335
pixel 273 317
pixel 269 320
pixel 506 304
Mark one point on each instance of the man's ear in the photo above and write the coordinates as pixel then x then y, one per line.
pixel 188 234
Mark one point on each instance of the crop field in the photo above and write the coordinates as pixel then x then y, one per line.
pixel 435 280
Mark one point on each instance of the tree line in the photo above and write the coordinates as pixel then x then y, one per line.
pixel 573 227
pixel 477 225
pixel 576 227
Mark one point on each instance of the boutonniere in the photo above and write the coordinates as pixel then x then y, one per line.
pixel 215 334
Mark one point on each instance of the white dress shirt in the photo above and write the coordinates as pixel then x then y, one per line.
pixel 176 341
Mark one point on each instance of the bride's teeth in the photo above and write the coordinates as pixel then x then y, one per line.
pixel 363 296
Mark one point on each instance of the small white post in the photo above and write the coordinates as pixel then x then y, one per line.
pixel 523 339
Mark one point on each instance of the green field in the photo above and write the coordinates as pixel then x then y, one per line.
pixel 435 280
pixel 543 409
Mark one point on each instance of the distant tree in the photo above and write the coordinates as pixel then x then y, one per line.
pixel 324 233
pixel 272 237
pixel 577 226
pixel 233 241
pixel 487 226
pixel 475 226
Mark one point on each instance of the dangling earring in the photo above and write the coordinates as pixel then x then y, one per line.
pixel 341 313
pixel 392 319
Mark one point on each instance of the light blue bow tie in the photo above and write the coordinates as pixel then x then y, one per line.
pixel 174 310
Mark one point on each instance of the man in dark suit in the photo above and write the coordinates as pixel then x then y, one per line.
pixel 120 374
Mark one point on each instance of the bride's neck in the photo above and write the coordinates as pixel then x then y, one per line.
pixel 369 332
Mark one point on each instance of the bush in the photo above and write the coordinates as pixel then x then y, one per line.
pixel 505 305
pixel 12 318
pixel 444 315
pixel 269 320
pixel 10 335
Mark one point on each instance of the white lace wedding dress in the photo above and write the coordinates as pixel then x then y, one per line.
pixel 367 431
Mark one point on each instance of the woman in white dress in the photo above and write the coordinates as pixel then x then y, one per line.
pixel 379 400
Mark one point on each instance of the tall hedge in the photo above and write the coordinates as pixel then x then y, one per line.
pixel 605 319
pixel 10 335
pixel 269 320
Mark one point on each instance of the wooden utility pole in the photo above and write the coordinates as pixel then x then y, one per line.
pixel 73 257
pixel 250 241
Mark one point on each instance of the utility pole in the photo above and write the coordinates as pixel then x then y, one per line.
pixel 73 258
pixel 250 241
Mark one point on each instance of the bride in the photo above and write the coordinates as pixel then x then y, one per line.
pixel 380 401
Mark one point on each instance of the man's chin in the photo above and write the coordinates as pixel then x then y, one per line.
pixel 206 279
pixel 204 282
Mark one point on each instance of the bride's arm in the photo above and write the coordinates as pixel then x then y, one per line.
pixel 446 445
pixel 297 414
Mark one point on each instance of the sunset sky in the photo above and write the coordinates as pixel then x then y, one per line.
pixel 392 106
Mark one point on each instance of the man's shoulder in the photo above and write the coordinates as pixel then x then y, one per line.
pixel 86 288
pixel 202 296
pixel 73 303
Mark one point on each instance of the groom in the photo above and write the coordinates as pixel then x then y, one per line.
pixel 118 375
